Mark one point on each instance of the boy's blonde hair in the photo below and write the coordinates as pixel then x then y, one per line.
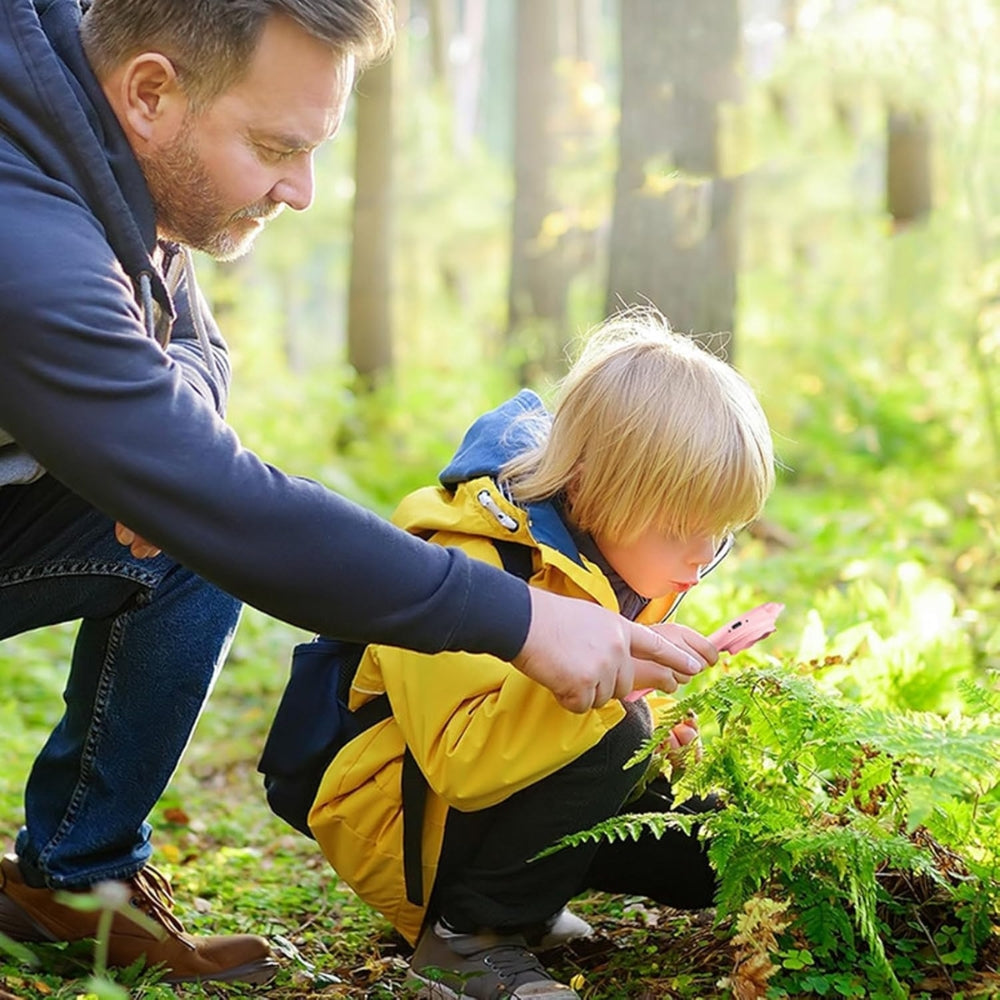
pixel 650 431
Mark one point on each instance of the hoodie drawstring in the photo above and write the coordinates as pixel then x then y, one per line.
pixel 194 304
pixel 146 294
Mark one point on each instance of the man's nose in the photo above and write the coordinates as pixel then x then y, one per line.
pixel 297 186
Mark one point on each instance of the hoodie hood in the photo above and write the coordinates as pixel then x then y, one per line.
pixel 54 110
pixel 495 438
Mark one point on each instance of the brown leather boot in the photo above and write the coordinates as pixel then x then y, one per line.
pixel 28 914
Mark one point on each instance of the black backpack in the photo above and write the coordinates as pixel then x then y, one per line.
pixel 313 723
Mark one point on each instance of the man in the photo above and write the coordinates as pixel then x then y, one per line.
pixel 145 128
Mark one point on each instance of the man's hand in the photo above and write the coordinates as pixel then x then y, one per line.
pixel 586 655
pixel 139 547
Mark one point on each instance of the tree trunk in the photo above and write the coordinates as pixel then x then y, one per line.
pixel 538 279
pixel 369 311
pixel 587 30
pixel 441 17
pixel 908 183
pixel 468 73
pixel 675 227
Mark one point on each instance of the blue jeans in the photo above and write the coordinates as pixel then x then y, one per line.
pixel 152 638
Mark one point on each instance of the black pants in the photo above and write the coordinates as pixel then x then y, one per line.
pixel 486 877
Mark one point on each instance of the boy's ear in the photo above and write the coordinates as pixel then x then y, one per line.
pixel 151 101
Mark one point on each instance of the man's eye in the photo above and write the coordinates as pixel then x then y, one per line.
pixel 276 155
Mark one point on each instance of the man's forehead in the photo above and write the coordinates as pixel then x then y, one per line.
pixel 295 86
pixel 286 54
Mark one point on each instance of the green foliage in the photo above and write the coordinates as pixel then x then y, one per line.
pixel 857 816
pixel 884 350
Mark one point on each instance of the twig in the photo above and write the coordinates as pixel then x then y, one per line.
pixel 937 953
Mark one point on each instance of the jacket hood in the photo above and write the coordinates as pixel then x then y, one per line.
pixel 53 109
pixel 495 438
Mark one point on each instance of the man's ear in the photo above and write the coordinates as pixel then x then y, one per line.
pixel 149 99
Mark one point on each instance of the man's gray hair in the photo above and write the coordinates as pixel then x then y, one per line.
pixel 210 42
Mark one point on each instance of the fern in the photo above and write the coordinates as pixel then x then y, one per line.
pixel 827 803
pixel 826 926
pixel 627 827
pixel 979 698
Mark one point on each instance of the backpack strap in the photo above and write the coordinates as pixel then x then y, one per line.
pixel 373 712
pixel 414 789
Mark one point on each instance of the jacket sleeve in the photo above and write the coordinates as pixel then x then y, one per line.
pixel 478 728
pixel 126 426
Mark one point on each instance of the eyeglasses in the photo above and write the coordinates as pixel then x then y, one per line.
pixel 725 547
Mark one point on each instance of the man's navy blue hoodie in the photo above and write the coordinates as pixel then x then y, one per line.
pixel 134 427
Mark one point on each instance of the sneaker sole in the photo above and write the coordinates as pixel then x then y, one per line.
pixel 432 989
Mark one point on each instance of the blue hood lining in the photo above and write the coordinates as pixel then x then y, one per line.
pixel 495 438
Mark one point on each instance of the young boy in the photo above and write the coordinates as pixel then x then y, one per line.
pixel 655 452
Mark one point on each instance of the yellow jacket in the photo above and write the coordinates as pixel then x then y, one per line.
pixel 478 729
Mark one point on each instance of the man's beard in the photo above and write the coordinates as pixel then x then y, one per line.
pixel 188 207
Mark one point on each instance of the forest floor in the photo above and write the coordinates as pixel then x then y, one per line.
pixel 237 868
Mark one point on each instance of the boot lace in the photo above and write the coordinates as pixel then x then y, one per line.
pixel 152 895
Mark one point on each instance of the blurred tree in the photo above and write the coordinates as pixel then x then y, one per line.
pixel 441 22
pixel 369 310
pixel 675 228
pixel 908 184
pixel 562 141
pixel 538 277
pixel 468 71
pixel 587 23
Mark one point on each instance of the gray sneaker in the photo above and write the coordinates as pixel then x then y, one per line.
pixel 481 967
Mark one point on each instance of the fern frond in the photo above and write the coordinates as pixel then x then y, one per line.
pixel 666 721
pixel 978 697
pixel 819 794
pixel 629 826
pixel 961 752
